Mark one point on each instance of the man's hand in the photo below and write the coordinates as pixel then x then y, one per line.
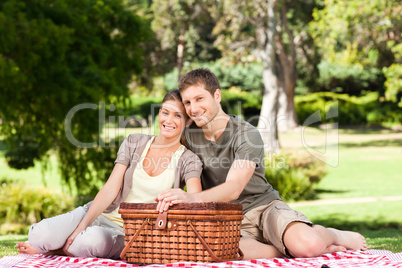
pixel 173 196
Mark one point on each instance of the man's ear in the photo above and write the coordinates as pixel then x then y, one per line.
pixel 218 95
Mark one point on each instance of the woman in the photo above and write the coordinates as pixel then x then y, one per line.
pixel 151 164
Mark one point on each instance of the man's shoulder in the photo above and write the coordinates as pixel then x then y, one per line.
pixel 240 125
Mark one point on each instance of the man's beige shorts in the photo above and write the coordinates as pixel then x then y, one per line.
pixel 267 223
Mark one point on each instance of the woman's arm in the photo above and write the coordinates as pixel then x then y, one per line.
pixel 103 199
pixel 194 185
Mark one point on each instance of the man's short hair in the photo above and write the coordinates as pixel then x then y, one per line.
pixel 200 77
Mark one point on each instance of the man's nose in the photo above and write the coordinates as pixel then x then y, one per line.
pixel 193 108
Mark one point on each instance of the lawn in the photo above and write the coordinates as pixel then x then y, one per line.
pixel 368 164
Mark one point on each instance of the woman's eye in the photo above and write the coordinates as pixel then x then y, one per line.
pixel 178 115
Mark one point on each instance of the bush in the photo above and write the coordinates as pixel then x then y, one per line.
pixel 352 79
pixel 250 102
pixel 21 206
pixel 351 110
pixel 293 174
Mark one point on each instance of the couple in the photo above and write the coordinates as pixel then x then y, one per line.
pixel 232 153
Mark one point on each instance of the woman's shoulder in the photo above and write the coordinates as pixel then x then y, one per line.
pixel 134 138
pixel 188 155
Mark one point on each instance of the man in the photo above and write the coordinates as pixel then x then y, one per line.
pixel 232 152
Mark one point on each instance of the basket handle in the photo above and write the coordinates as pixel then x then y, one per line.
pixel 132 239
pixel 206 246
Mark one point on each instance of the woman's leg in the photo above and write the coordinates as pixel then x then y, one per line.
pixel 103 239
pixel 51 234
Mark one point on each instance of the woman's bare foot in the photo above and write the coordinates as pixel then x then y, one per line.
pixel 26 248
pixel 350 240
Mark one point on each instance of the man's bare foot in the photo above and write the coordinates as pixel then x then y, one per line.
pixel 334 248
pixel 350 240
pixel 26 248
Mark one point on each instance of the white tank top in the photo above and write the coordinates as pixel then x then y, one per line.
pixel 145 188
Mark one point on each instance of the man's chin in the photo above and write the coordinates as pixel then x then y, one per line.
pixel 200 123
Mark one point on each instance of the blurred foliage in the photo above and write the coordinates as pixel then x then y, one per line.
pixel 293 174
pixel 60 62
pixel 21 206
pixel 349 110
pixel 393 73
pixel 246 76
pixel 352 79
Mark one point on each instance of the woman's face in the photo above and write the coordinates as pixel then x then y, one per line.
pixel 172 119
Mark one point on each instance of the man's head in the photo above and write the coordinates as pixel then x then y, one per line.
pixel 201 96
pixel 199 77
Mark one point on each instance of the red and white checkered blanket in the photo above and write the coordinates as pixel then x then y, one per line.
pixel 349 259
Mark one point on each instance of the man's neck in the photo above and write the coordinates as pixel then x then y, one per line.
pixel 213 130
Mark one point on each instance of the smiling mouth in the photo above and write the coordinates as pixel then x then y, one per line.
pixel 168 127
pixel 195 117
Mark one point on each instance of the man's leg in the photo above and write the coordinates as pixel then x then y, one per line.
pixel 252 249
pixel 302 240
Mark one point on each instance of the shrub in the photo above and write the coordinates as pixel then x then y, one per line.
pixel 21 206
pixel 350 79
pixel 293 174
pixel 365 110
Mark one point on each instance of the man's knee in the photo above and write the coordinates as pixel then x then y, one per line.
pixel 302 241
pixel 93 242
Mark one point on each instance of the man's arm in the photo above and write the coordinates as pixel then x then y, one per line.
pixel 238 176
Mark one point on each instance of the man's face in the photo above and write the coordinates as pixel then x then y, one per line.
pixel 200 105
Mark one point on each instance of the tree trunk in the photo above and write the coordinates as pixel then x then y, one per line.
pixel 288 75
pixel 269 109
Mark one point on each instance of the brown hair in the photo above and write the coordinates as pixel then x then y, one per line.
pixel 172 95
pixel 201 77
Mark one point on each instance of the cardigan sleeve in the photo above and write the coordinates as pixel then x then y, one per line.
pixel 123 155
pixel 190 166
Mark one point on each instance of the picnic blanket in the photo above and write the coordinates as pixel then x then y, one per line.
pixel 349 259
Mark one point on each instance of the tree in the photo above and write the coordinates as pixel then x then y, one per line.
pixel 57 57
pixel 362 35
pixel 184 31
pixel 262 28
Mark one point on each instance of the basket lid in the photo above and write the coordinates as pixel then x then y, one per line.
pixel 200 207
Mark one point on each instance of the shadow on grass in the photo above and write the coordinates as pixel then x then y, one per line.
pixel 341 221
pixel 377 143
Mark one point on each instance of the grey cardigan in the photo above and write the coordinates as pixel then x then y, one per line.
pixel 189 166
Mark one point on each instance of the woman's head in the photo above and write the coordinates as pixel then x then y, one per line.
pixel 172 115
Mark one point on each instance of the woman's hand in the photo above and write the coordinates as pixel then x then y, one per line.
pixel 70 240
pixel 173 196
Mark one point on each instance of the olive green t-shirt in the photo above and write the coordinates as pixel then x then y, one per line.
pixel 240 141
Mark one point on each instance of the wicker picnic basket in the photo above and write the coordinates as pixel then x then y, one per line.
pixel 192 232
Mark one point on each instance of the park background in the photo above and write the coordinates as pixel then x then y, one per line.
pixel 320 79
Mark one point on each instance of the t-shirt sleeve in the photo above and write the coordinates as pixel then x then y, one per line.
pixel 250 147
pixel 123 155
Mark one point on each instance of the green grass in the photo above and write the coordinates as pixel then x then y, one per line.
pixel 8 242
pixel 369 165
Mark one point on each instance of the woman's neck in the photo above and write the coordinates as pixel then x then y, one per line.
pixel 166 144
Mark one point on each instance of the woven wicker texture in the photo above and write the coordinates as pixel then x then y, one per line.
pixel 217 224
